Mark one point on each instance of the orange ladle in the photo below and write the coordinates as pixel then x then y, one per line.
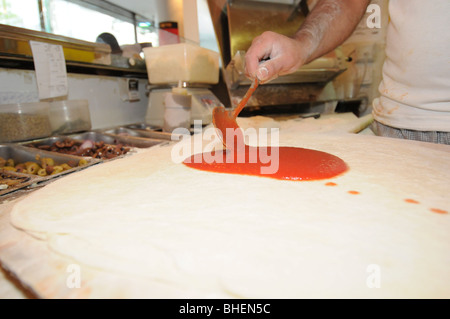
pixel 225 121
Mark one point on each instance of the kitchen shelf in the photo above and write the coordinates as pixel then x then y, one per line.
pixel 81 56
pixel 27 63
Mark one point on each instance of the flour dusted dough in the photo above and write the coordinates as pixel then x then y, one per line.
pixel 217 235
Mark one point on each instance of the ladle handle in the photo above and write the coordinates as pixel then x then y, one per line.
pixel 246 97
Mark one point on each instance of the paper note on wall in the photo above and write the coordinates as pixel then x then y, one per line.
pixel 50 66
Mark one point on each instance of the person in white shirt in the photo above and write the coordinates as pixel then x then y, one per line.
pixel 414 101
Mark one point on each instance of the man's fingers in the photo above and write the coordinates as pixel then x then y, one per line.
pixel 267 71
pixel 270 56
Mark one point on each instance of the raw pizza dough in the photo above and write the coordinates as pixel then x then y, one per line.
pixel 212 235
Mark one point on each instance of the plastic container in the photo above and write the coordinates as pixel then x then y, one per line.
pixel 70 116
pixel 24 121
pixel 183 62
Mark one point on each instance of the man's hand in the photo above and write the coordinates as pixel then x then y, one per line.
pixel 328 25
pixel 283 54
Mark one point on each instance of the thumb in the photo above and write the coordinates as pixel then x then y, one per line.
pixel 267 71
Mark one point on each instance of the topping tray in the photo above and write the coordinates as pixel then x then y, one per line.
pixel 139 132
pixel 133 141
pixel 31 163
pixel 29 166
pixel 12 181
pixel 77 146
pixel 92 144
pixel 155 131
pixel 144 126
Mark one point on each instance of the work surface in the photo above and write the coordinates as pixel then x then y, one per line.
pixel 148 227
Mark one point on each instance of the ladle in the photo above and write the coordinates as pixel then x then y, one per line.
pixel 225 121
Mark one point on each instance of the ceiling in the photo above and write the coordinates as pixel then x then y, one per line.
pixel 150 8
pixel 146 8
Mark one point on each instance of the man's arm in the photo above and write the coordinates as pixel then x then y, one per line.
pixel 327 26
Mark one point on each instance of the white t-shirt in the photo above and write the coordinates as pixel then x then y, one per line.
pixel 415 90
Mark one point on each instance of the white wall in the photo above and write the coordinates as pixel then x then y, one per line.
pixel 105 95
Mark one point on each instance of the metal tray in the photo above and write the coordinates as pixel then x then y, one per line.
pixel 155 131
pixel 143 126
pixel 22 154
pixel 49 142
pixel 44 142
pixel 23 181
pixel 143 133
pixel 112 139
pixel 30 151
pixel 109 140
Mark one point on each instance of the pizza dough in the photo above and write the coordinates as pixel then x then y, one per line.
pixel 210 235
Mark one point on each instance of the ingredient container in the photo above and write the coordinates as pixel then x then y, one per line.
pixel 24 121
pixel 70 116
pixel 183 62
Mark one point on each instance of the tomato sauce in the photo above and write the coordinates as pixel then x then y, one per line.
pixel 438 211
pixel 284 163
pixel 330 184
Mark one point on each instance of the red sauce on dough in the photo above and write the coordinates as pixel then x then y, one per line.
pixel 285 163
pixel 438 211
